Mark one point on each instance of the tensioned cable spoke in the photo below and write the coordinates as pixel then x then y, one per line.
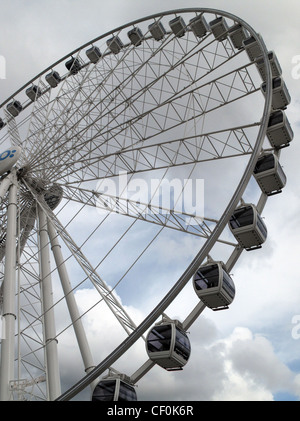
pixel 192 224
pixel 110 300
pixel 129 98
pixel 143 63
pixel 89 162
pixel 179 152
pixel 130 122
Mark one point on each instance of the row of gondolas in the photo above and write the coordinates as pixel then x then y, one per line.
pixel 167 343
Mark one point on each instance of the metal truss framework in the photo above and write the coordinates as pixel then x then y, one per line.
pixel 152 107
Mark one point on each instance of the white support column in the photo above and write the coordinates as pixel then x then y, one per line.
pixel 5 184
pixel 53 378
pixel 71 302
pixel 9 291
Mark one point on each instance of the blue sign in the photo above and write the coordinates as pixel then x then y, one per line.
pixel 8 153
pixel 9 158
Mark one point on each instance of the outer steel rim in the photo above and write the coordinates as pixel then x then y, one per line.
pixel 185 277
pixel 159 309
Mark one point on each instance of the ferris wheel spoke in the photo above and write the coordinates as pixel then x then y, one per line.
pixel 91 161
pixel 227 143
pixel 105 292
pixel 131 101
pixel 170 218
pixel 37 121
pixel 182 118
pixel 190 149
pixel 88 98
pixel 13 131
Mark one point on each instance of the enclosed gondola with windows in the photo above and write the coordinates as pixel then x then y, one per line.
pixel 274 64
pixel 93 54
pixel 248 227
pixel 199 26
pixel 252 48
pixel 219 28
pixel 136 36
pixel 114 388
pixel 178 26
pixel 53 196
pixel 53 78
pixel 167 345
pixel 14 108
pixel 269 174
pixel 279 131
pixel 280 94
pixel 33 92
pixel 115 45
pixel 214 286
pixel 238 35
pixel 157 30
pixel 73 65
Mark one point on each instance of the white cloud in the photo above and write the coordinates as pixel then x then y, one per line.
pixel 253 357
pixel 240 366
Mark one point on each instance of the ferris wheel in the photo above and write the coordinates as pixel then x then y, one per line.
pixel 100 161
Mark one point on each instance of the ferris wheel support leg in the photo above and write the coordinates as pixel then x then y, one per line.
pixel 71 302
pixel 5 184
pixel 53 378
pixel 9 291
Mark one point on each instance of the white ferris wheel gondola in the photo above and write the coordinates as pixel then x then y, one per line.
pixel 279 131
pixel 114 387
pixel 219 28
pixel 280 95
pixel 14 108
pixel 248 227
pixel 214 286
pixel 269 174
pixel 168 345
pixel 274 63
pixel 53 78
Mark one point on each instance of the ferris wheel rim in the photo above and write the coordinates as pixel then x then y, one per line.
pixel 204 251
pixel 235 198
pixel 148 321
pixel 132 23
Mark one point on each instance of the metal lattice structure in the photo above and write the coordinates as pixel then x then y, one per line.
pixel 176 95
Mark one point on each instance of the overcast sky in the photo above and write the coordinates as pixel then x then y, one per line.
pixel 250 352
